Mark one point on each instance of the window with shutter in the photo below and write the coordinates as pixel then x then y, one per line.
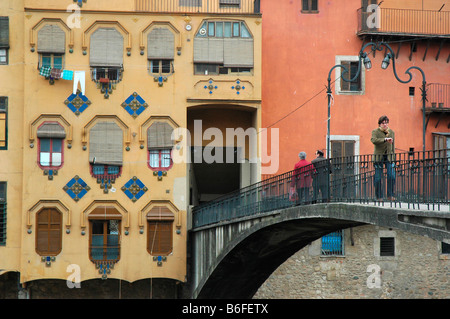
pixel 105 150
pixel 2 213
pixel 159 235
pixel 50 150
pixel 223 47
pixel 387 246
pixel 351 85
pixel 159 145
pixel 48 232
pixel 51 46
pixel 4 40
pixel 106 55
pixel 3 122
pixel 310 6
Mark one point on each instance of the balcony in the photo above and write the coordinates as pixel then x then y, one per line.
pixel 199 6
pixel 405 22
pixel 438 100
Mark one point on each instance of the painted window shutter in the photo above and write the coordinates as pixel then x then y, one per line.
pixel 159 136
pixel 160 222
pixel 48 232
pixel 51 39
pixel 208 50
pixel 105 144
pixel 238 52
pixel 106 48
pixel 51 130
pixel 4 32
pixel 160 44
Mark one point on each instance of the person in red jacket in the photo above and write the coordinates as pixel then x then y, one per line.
pixel 302 178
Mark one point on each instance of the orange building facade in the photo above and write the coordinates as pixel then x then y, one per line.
pixel 303 40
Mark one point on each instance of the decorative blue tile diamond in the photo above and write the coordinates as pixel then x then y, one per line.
pixel 134 189
pixel 76 188
pixel 134 105
pixel 77 103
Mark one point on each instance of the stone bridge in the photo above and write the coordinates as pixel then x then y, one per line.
pixel 232 258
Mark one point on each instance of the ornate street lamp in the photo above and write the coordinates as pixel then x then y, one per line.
pixel 364 58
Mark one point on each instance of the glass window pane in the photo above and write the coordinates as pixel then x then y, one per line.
pixel 219 29
pixel 47 61
pixel 154 66
pixel 165 158
pixel 57 145
pixel 45 159
pixel 57 61
pixel 45 144
pixel 165 66
pixel 227 29
pixel 236 29
pixel 154 159
pixel 56 159
pixel 211 29
pixel 244 31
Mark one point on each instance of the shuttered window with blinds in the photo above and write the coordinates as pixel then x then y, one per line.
pixel 48 232
pixel 3 122
pixel 4 40
pixel 159 145
pixel 159 236
pixel 223 44
pixel 51 46
pixel 105 149
pixel 160 50
pixel 3 213
pixel 51 136
pixel 106 54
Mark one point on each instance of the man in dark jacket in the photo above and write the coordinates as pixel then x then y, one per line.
pixel 321 176
pixel 383 139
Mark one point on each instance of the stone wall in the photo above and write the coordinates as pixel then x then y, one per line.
pixel 418 269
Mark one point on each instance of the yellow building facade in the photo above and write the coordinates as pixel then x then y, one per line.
pixel 106 106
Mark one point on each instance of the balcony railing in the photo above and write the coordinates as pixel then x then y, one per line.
pixel 421 179
pixel 198 6
pixel 404 22
pixel 439 96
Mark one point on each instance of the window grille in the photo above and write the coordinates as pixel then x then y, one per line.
pixel 333 244
pixel 2 213
pixel 387 246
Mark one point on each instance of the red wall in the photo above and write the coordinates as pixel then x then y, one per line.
pixel 298 52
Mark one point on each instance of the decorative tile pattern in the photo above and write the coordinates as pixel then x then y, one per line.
pixel 77 103
pixel 104 268
pixel 238 87
pixel 50 173
pixel 159 260
pixel 48 260
pixel 160 174
pixel 80 2
pixel 134 105
pixel 134 189
pixel 210 87
pixel 76 188
pixel 160 79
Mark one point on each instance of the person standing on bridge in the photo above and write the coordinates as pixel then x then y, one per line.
pixel 302 178
pixel 383 139
pixel 321 173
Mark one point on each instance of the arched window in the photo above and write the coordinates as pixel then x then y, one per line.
pixel 51 136
pixel 48 232
pixel 105 231
pixel 160 144
pixel 160 231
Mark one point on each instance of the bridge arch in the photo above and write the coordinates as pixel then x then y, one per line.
pixel 232 260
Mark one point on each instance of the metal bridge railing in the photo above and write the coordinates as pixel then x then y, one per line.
pixel 420 178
